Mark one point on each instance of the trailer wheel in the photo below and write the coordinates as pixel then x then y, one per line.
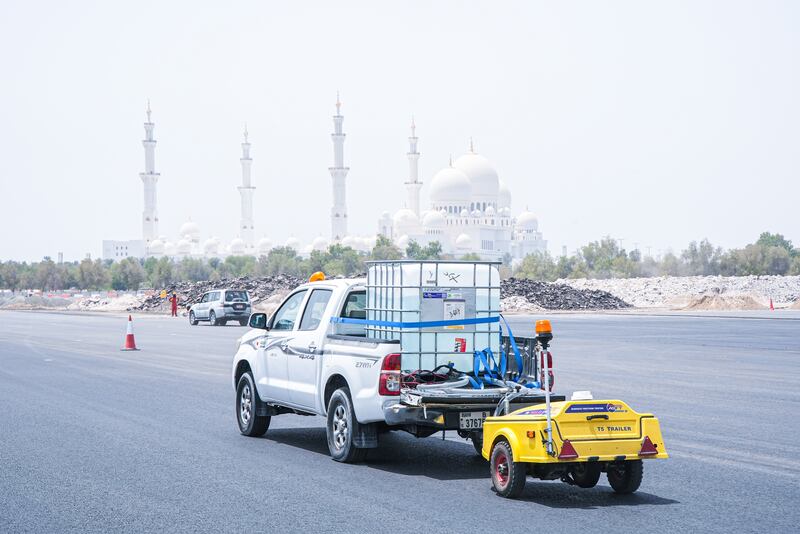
pixel 341 426
pixel 625 477
pixel 250 423
pixel 477 442
pixel 586 474
pixel 508 476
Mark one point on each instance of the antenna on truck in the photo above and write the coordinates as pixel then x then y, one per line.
pixel 544 334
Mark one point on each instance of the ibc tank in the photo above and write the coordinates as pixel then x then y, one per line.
pixel 410 291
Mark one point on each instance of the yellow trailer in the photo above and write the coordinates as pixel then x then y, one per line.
pixel 588 438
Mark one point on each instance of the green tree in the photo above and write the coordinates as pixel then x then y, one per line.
pixel 283 260
pixel 767 239
pixel 163 274
pixel 193 270
pixel 385 249
pixel 127 274
pixel 47 275
pixel 537 266
pixel 432 251
pixel 93 275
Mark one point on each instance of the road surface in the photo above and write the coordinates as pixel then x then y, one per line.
pixel 93 439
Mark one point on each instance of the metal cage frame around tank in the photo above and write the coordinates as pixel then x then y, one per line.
pixel 384 292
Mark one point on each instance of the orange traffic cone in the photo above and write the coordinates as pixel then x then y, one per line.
pixel 130 342
pixel 771 307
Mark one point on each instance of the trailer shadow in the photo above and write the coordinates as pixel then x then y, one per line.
pixel 558 495
pixel 398 453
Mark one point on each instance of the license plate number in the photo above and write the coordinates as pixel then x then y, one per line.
pixel 471 420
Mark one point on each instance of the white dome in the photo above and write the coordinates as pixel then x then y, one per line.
pixel 184 246
pixel 293 242
pixel 319 243
pixel 169 248
pixel 464 213
pixel 433 219
pixel 476 213
pixel 490 211
pixel 264 245
pixel 189 231
pixel 503 195
pixel 156 247
pixel 405 222
pixel 464 241
pixel 527 221
pixel 211 245
pixel 506 212
pixel 351 241
pixel 306 250
pixel 450 185
pixel 402 242
pixel 237 246
pixel 481 173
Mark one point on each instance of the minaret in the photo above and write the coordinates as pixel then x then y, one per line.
pixel 246 227
pixel 338 174
pixel 413 185
pixel 149 179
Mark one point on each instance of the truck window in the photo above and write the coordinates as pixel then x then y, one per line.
pixel 355 307
pixel 230 296
pixel 286 315
pixel 315 308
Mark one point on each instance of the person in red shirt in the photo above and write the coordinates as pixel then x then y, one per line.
pixel 174 300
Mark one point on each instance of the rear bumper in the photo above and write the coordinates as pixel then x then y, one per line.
pixel 441 416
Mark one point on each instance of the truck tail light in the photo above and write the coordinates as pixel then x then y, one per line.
pixel 568 452
pixel 389 381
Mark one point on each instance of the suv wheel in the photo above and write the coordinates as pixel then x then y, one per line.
pixel 192 319
pixel 212 318
pixel 250 423
pixel 341 425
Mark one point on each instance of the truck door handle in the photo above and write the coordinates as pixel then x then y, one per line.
pixel 312 347
pixel 285 346
pixel 596 416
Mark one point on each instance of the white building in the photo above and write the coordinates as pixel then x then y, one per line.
pixel 469 211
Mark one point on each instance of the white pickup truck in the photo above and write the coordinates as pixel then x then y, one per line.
pixel 298 362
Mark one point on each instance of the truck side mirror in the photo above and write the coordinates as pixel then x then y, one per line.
pixel 258 320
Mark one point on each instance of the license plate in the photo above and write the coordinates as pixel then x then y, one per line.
pixel 471 420
pixel 238 306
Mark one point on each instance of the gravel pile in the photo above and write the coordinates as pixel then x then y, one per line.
pixel 259 289
pixel 683 291
pixel 547 296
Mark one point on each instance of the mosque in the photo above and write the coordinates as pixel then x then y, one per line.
pixel 469 212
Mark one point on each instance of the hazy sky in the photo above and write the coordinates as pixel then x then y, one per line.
pixel 658 123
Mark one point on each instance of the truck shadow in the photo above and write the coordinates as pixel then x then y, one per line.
pixel 559 495
pixel 399 453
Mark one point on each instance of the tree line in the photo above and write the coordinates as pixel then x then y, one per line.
pixel 770 254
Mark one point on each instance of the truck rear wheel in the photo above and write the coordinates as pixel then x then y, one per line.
pixel 341 426
pixel 625 477
pixel 508 476
pixel 250 423
pixel 586 474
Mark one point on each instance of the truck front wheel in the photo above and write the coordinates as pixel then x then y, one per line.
pixel 250 423
pixel 508 476
pixel 341 426
pixel 625 477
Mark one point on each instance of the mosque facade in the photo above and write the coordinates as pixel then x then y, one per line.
pixel 468 212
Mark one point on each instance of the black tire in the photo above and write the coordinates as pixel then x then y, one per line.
pixel 586 474
pixel 341 423
pixel 477 442
pixel 250 423
pixel 242 322
pixel 192 319
pixel 625 477
pixel 212 318
pixel 508 476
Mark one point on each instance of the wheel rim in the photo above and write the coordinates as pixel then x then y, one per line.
pixel 191 316
pixel 340 429
pixel 212 317
pixel 501 469
pixel 246 405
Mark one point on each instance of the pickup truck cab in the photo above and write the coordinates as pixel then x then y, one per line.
pixel 298 362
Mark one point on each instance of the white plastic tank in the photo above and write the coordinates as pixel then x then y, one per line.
pixel 411 291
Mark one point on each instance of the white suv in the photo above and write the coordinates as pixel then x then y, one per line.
pixel 220 306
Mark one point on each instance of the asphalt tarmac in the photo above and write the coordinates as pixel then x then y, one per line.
pixel 93 439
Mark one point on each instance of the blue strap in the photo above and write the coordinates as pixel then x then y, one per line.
pixel 415 324
pixel 515 348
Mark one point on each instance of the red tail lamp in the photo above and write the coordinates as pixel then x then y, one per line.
pixel 568 452
pixel 648 449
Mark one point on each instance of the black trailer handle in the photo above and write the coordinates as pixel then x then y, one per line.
pixel 596 416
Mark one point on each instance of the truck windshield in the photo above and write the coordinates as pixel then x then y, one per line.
pixel 230 296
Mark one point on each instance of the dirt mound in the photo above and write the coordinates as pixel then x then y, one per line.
pixel 725 302
pixel 796 305
pixel 547 296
